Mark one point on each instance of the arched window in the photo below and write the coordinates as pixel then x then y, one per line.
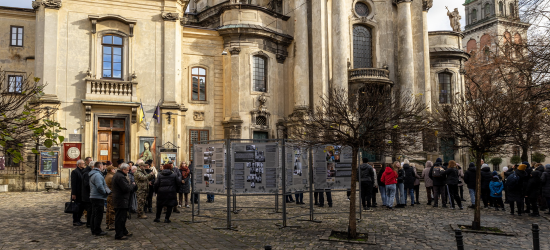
pixel 471 45
pixel 501 8
pixel 362 47
pixel 198 75
pixel 512 10
pixel 260 73
pixel 112 56
pixel 474 15
pixel 445 87
pixel 487 10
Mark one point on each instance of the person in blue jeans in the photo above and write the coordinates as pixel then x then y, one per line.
pixel 410 178
pixel 389 178
pixel 470 180
pixel 400 185
pixel 382 186
pixel 299 198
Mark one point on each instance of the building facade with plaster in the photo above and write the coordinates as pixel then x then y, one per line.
pixel 216 69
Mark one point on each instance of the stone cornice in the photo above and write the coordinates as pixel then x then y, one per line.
pixel 50 4
pixel 235 51
pixel 401 1
pixel 427 5
pixel 495 22
pixel 170 16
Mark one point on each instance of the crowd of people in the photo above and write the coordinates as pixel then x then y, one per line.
pixel 124 190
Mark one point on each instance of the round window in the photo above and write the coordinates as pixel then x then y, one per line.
pixel 361 9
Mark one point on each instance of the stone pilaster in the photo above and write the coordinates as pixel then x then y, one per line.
pixel 172 58
pixel 301 58
pixel 235 82
pixel 426 5
pixel 405 63
pixel 47 22
pixel 340 44
pixel 320 53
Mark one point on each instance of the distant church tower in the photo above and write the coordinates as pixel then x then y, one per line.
pixel 489 22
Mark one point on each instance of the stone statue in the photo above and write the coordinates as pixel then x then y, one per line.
pixel 454 17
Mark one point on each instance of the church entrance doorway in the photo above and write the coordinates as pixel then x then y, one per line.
pixel 111 143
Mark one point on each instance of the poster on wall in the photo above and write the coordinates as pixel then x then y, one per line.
pixel 71 154
pixel 167 155
pixel 332 167
pixel 256 167
pixel 49 163
pixel 210 167
pixel 297 168
pixel 147 149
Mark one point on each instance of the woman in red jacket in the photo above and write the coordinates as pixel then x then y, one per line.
pixel 389 178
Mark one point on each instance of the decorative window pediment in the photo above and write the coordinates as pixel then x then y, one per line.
pixel 97 19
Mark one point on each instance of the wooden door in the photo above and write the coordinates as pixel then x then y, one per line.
pixel 104 145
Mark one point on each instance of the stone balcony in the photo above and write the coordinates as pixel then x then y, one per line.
pixel 111 90
pixel 370 75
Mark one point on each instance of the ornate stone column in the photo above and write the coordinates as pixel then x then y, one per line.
pixel 301 59
pixel 47 22
pixel 405 63
pixel 232 127
pixel 426 5
pixel 340 43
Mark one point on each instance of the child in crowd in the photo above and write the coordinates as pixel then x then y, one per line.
pixel 496 187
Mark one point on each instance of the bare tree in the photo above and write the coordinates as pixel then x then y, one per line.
pixel 23 119
pixel 483 118
pixel 374 118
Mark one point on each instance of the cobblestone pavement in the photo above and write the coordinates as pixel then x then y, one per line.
pixel 36 220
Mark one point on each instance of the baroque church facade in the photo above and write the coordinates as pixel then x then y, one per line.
pixel 216 69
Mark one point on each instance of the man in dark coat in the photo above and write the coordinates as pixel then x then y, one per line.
pixel 517 192
pixel 166 186
pixel 533 191
pixel 486 177
pixel 76 191
pixel 85 190
pixel 545 183
pixel 470 180
pixel 121 199
pixel 410 178
pixel 366 178
pixel 438 183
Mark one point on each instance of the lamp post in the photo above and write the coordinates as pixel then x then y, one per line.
pixel 531 147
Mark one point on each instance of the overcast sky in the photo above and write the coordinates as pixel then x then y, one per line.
pixel 437 17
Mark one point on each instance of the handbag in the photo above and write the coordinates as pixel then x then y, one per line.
pixel 71 207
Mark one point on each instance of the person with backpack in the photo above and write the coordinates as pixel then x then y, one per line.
pixel 486 177
pixel 366 179
pixel 438 178
pixel 410 178
pixel 452 178
pixel 496 187
pixel 533 191
pixel 470 180
pixel 389 178
pixel 516 184
pixel 428 183
pixel 545 183
pixel 400 185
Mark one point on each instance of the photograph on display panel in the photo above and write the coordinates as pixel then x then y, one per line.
pixel 210 168
pixel 297 167
pixel 255 167
pixel 332 167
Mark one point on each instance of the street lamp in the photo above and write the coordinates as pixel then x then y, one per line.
pixel 531 147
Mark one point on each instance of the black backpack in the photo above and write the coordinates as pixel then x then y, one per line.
pixel 438 171
pixel 512 181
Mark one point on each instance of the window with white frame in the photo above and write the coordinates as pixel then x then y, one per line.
pixel 16 35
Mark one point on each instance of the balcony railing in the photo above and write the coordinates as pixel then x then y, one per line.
pixel 111 90
pixel 370 75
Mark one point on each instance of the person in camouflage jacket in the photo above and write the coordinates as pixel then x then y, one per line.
pixel 142 182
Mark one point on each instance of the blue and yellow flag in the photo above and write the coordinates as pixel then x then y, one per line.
pixel 141 114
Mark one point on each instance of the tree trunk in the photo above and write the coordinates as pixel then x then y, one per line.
pixel 524 155
pixel 476 224
pixel 352 227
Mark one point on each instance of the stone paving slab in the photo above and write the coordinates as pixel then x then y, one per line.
pixel 36 220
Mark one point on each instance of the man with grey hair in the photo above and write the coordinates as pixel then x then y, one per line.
pixel 76 191
pixel 121 198
pixel 86 202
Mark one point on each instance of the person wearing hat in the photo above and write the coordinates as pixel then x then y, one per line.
pixel 486 177
pixel 545 183
pixel 470 180
pixel 496 187
pixel 516 192
pixel 142 181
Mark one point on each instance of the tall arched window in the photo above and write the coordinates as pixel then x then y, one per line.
pixel 112 56
pixel 474 15
pixel 487 10
pixel 260 73
pixel 512 10
pixel 362 47
pixel 501 8
pixel 198 75
pixel 445 87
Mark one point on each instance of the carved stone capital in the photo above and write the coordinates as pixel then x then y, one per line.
pixel 281 58
pixel 184 21
pixel 427 5
pixel 233 128
pixel 401 1
pixel 198 115
pixel 170 16
pixel 235 50
pixel 134 114
pixel 36 5
pixel 52 4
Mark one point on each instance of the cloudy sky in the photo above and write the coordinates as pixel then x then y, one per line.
pixel 437 16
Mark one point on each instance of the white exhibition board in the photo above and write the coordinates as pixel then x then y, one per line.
pixel 332 167
pixel 210 167
pixel 256 167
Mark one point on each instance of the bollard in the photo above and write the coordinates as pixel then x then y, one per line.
pixel 268 247
pixel 459 242
pixel 536 240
